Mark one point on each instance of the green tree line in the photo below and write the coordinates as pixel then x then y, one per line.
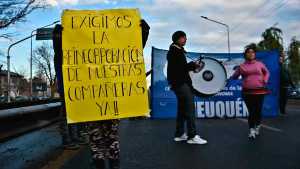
pixel 272 40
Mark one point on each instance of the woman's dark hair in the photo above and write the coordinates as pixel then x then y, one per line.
pixel 247 50
pixel 176 35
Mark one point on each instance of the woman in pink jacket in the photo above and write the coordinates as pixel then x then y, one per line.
pixel 255 76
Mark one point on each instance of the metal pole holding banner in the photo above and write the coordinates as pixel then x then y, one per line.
pixel 227 28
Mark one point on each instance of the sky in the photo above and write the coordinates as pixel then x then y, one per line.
pixel 246 19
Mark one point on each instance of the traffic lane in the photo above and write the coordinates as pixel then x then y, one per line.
pixel 31 150
pixel 149 144
pixel 228 147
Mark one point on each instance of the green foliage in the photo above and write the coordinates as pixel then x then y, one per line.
pixel 294 59
pixel 271 40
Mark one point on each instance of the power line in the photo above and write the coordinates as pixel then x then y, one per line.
pixel 276 7
pixel 250 14
pixel 256 11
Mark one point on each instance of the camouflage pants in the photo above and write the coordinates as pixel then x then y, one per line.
pixel 104 139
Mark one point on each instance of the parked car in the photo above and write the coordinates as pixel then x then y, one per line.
pixel 3 99
pixel 43 97
pixel 21 98
pixel 294 93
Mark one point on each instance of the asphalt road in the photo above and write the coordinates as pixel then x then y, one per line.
pixel 148 144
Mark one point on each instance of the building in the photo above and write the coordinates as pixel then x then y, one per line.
pixel 19 85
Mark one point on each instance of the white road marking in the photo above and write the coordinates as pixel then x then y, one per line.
pixel 263 126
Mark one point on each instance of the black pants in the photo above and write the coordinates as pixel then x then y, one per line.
pixel 254 104
pixel 69 132
pixel 283 100
pixel 185 110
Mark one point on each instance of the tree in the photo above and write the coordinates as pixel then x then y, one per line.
pixel 13 11
pixel 294 59
pixel 21 71
pixel 7 36
pixel 43 60
pixel 272 40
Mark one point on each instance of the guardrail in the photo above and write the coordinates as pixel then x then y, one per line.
pixel 13 112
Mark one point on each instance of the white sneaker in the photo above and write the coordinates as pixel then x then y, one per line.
pixel 197 140
pixel 184 137
pixel 257 130
pixel 252 133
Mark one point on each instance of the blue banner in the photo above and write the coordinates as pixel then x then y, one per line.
pixel 228 103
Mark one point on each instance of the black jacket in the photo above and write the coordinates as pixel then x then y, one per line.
pixel 57 46
pixel 285 78
pixel 178 68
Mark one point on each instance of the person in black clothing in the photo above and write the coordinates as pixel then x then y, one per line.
pixel 285 83
pixel 70 133
pixel 181 83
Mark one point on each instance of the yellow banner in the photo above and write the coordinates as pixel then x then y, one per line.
pixel 103 65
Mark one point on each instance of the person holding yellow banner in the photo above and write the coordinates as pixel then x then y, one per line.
pixel 104 136
pixel 70 134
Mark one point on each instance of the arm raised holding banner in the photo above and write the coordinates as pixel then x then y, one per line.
pixel 145 31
